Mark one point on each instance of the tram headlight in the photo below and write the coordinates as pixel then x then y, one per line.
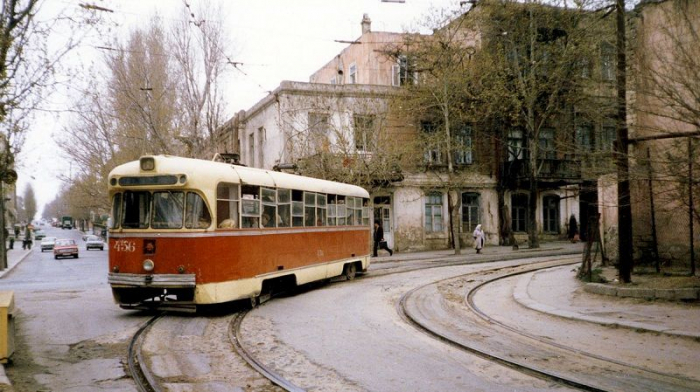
pixel 148 265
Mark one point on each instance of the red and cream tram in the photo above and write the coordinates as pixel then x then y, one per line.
pixel 188 232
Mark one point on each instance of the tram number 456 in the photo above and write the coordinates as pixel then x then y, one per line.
pixel 125 246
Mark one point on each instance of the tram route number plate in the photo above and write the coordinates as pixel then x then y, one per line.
pixel 125 246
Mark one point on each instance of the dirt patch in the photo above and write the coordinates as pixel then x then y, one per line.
pixel 646 278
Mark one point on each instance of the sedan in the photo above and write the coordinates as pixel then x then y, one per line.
pixel 48 243
pixel 65 248
pixel 94 242
pixel 39 234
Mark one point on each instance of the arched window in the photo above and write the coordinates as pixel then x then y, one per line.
pixel 518 204
pixel 470 211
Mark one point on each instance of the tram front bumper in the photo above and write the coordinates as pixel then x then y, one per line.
pixel 166 281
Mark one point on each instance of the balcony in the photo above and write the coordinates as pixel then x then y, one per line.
pixel 551 171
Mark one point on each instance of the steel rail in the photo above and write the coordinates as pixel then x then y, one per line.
pixel 530 370
pixel 144 380
pixel 235 337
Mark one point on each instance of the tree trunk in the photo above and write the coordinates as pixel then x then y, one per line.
pixel 454 220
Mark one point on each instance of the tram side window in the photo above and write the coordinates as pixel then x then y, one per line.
pixel 331 207
pixel 320 210
pixel 350 211
pixel 227 206
pixel 269 200
pixel 297 208
pixel 365 212
pixel 167 210
pixel 116 210
pixel 358 211
pixel 250 206
pixel 309 209
pixel 342 211
pixel 137 210
pixel 284 207
pixel 197 214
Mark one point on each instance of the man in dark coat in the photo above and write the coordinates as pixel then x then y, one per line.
pixel 379 241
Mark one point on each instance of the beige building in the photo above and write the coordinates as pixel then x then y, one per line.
pixel 345 112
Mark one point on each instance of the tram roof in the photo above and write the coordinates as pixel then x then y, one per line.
pixel 203 172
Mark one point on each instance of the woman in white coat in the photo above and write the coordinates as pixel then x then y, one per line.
pixel 478 238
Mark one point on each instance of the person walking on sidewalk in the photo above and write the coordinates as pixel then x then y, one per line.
pixel 478 238
pixel 379 241
pixel 10 238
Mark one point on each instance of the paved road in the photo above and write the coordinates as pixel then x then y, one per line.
pixel 70 336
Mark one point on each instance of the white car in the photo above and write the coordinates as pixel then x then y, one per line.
pixel 94 242
pixel 47 243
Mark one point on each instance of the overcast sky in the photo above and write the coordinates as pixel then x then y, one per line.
pixel 274 39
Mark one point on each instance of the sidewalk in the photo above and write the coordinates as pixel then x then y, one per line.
pixel 14 257
pixel 558 292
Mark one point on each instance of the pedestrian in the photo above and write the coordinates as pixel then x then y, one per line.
pixel 27 243
pixel 10 238
pixel 573 230
pixel 379 241
pixel 478 238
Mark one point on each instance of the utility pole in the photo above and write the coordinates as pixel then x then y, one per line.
pixel 624 208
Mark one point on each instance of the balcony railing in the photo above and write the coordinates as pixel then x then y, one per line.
pixel 549 169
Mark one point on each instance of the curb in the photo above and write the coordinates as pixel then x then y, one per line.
pixel 12 266
pixel 521 296
pixel 689 294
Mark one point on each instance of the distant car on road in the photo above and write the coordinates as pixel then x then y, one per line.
pixel 39 234
pixel 65 248
pixel 47 243
pixel 94 242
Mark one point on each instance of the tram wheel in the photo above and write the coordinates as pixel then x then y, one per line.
pixel 350 271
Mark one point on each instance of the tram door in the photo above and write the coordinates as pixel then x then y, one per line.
pixel 382 214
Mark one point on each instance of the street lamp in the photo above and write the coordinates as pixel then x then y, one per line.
pixel 7 176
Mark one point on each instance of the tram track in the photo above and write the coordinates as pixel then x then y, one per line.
pixel 144 380
pixel 512 348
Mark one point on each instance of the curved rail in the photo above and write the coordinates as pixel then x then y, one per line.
pixel 235 337
pixel 140 374
pixel 537 371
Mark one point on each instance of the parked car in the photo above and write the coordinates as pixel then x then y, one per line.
pixel 39 234
pixel 94 242
pixel 65 248
pixel 47 243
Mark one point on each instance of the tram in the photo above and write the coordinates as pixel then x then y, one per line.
pixel 188 232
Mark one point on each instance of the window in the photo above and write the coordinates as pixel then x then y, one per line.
pixel 547 150
pixel 167 210
pixel 284 208
pixel 320 210
pixel 318 132
pixel 432 152
pixel 608 137
pixel 519 212
pixel 250 206
pixel 341 211
pixel 261 139
pixel 403 72
pixel 470 211
pixel 116 210
pixel 137 210
pixel 251 150
pixel 197 214
pixel 309 209
pixel 227 206
pixel 364 132
pixel 463 145
pixel 550 214
pixel 607 62
pixel 515 145
pixel 584 137
pixel 352 74
pixel 331 208
pixel 297 208
pixel 433 212
pixel 269 209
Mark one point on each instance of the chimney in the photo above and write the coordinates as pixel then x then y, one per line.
pixel 366 24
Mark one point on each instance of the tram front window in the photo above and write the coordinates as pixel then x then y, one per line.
pixel 137 210
pixel 167 210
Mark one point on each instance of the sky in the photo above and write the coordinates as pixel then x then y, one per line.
pixel 274 40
